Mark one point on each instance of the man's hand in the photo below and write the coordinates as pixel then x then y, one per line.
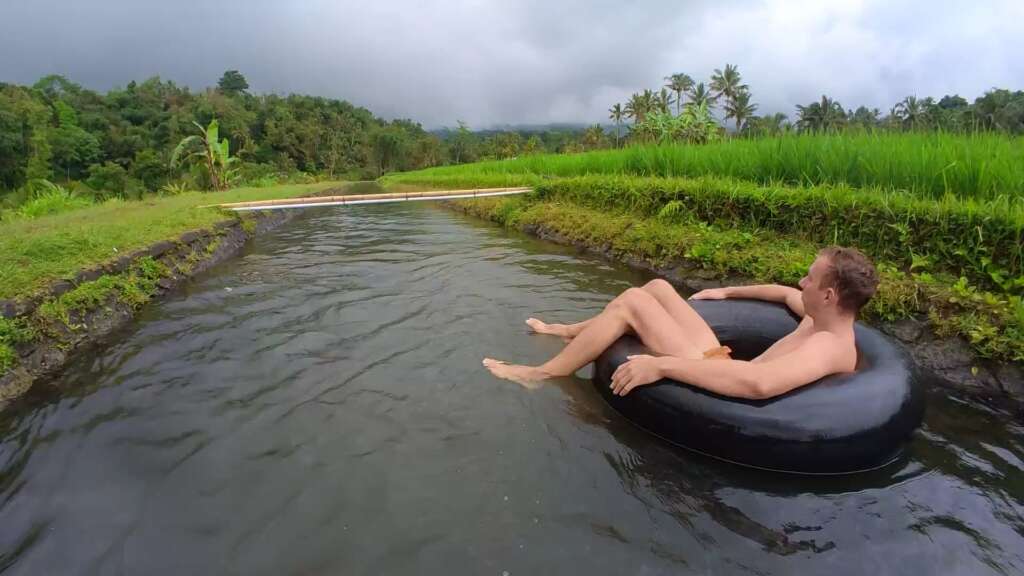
pixel 711 294
pixel 638 370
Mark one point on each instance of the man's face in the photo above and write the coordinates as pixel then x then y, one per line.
pixel 814 297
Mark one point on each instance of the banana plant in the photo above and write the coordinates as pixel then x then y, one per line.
pixel 208 147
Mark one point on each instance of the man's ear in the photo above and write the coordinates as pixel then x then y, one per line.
pixel 830 295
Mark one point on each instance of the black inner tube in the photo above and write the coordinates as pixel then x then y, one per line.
pixel 840 424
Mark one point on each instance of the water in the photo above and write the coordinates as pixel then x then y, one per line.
pixel 317 405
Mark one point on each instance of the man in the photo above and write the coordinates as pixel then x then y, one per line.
pixel 838 284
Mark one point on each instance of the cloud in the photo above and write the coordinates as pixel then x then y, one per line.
pixel 516 62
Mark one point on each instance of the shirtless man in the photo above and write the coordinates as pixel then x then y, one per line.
pixel 838 284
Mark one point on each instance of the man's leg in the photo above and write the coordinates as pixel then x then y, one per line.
pixel 691 323
pixel 695 328
pixel 635 310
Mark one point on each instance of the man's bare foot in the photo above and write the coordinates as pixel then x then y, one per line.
pixel 529 376
pixel 545 328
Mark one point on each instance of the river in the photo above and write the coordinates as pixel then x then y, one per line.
pixel 317 405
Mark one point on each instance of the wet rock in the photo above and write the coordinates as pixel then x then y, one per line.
pixel 120 265
pixel 14 383
pixel 89 275
pixel 60 287
pixel 908 330
pixel 1011 379
pixel 189 237
pixel 8 309
pixel 158 249
pixel 944 354
pixel 952 361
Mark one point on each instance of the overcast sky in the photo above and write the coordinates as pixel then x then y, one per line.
pixel 523 61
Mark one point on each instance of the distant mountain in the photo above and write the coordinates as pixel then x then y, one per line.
pixel 570 127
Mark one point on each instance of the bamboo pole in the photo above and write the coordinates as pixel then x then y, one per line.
pixel 369 198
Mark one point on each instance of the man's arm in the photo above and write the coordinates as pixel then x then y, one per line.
pixel 815 359
pixel 768 292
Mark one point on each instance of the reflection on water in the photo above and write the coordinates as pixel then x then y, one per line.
pixel 318 406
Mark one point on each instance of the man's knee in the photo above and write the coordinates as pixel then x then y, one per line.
pixel 632 301
pixel 658 286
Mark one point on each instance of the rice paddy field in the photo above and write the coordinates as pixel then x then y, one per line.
pixel 981 166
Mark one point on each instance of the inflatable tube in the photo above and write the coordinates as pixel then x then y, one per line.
pixel 840 424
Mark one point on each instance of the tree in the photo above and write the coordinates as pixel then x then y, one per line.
pixel 232 83
pixel 865 118
pixel 462 145
pixel 824 116
pixel 701 96
pixel 1000 109
pixel 533 145
pixel 740 108
pixel 663 100
pixel 911 112
pixel 637 107
pixel 387 145
pixel 73 148
pixel 770 125
pixel 593 138
pixel 727 82
pixel 680 84
pixel 954 102
pixel 616 113
pixel 207 147
pixel 107 179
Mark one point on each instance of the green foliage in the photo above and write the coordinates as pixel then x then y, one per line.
pixel 694 125
pixel 984 241
pixel 209 151
pixel 51 199
pixel 13 332
pixel 57 129
pixel 133 288
pixel 173 189
pixel 108 180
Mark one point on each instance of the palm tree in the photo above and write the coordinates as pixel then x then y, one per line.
pixel 700 95
pixel 616 113
pixel 824 115
pixel 680 84
pixel 727 83
pixel 635 108
pixel 740 108
pixel 774 124
pixel 911 111
pixel 593 138
pixel 663 100
pixel 640 105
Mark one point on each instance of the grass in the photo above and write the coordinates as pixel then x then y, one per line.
pixel 36 252
pixel 978 166
pixel 981 240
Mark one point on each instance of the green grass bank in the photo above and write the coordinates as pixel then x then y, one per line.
pixel 36 252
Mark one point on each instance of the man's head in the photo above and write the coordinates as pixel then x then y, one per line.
pixel 840 281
